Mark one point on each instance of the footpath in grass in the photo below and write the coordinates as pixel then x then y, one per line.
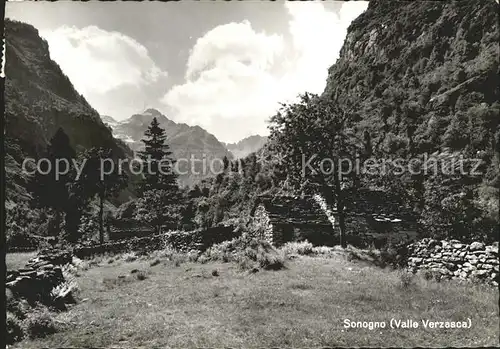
pixel 156 302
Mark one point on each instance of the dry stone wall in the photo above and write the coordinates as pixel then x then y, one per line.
pixel 456 260
pixel 200 239
pixel 39 277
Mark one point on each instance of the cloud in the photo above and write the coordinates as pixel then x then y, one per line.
pixel 234 42
pixel 99 62
pixel 236 77
pixel 317 37
pixel 228 77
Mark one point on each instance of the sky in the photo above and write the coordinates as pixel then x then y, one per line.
pixel 225 66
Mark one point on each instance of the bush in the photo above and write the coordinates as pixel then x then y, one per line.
pixel 13 329
pixel 429 274
pixel 301 248
pixel 261 253
pixel 407 279
pixel 271 261
pixel 155 262
pixel 248 253
pixel 222 252
pixel 178 258
pixel 18 236
pixel 38 323
pixel 65 292
pixel 141 275
pixel 193 255
pixel 322 250
pixel 129 257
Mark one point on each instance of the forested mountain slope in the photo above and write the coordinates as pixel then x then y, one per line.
pixel 422 78
pixel 423 73
pixel 39 99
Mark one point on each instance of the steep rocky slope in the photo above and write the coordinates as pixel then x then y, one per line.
pixel 185 141
pixel 424 78
pixel 39 99
pixel 246 146
pixel 423 74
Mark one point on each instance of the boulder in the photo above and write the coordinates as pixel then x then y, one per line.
pixel 480 274
pixel 492 249
pixel 475 246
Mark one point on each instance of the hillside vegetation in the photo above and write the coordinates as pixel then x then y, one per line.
pixel 39 100
pixel 416 79
pixel 155 301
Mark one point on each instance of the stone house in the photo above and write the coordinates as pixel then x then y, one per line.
pixel 378 217
pixel 372 217
pixel 290 218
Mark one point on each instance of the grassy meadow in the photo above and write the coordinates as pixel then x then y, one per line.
pixel 157 301
pixel 17 260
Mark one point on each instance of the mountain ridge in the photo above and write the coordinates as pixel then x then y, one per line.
pixel 40 99
pixel 184 141
pixel 246 146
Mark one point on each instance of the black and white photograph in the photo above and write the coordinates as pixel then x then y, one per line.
pixel 251 174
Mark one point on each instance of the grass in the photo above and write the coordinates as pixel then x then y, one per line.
pixel 16 260
pixel 301 306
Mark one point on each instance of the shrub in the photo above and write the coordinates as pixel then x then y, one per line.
pixel 141 275
pixel 38 323
pixel 65 291
pixel 246 264
pixel 248 253
pixel 155 262
pixel 406 278
pixel 202 259
pixel 223 251
pixel 18 307
pixel 178 258
pixel 19 236
pixel 300 248
pixel 129 257
pixel 13 329
pixel 193 255
pixel 322 250
pixel 429 274
pixel 263 253
pixel 271 261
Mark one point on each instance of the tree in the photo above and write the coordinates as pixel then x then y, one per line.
pixel 51 188
pixel 160 196
pixel 158 165
pixel 225 162
pixel 100 180
pixel 316 140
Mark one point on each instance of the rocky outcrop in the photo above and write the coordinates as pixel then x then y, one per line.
pixel 455 260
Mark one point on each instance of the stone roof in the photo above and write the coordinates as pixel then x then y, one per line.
pixel 381 205
pixel 292 210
